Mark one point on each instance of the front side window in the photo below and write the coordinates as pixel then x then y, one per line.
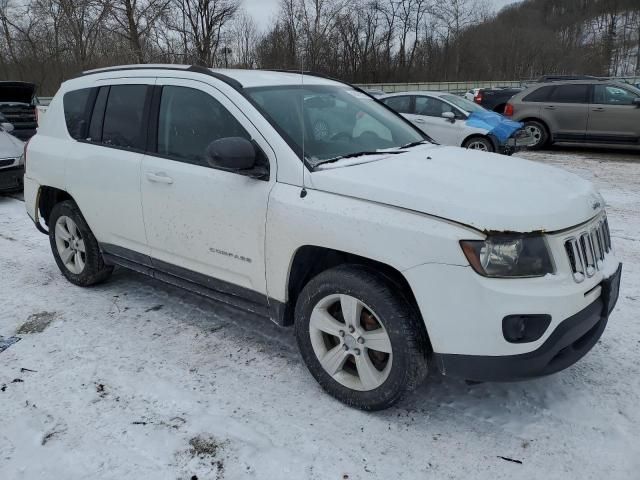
pixel 570 94
pixel 464 104
pixel 123 119
pixel 399 104
pixel 432 107
pixel 331 121
pixel 612 95
pixel 75 111
pixel 189 120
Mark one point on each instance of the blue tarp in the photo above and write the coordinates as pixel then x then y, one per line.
pixel 495 124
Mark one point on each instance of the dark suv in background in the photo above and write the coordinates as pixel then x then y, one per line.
pixel 579 111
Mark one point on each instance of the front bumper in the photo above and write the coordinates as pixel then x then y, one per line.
pixel 567 344
pixel 11 179
pixel 520 140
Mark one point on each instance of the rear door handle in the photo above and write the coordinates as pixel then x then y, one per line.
pixel 419 120
pixel 598 109
pixel 159 177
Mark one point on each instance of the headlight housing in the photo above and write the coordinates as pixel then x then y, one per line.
pixel 509 256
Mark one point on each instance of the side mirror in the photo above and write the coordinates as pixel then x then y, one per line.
pixel 236 154
pixel 449 116
pixel 7 127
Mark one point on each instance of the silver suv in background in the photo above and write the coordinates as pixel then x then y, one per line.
pixel 579 111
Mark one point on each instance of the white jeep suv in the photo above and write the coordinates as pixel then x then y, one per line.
pixel 387 253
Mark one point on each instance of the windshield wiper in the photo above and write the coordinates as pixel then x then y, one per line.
pixel 354 155
pixel 413 144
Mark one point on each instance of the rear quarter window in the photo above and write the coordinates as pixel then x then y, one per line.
pixel 75 111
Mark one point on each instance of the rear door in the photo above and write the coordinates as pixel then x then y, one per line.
pixel 613 116
pixel 566 112
pixel 103 167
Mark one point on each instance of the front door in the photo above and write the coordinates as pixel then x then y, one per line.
pixel 198 217
pixel 613 116
pixel 427 116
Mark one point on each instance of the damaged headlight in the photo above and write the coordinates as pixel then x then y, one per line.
pixel 507 256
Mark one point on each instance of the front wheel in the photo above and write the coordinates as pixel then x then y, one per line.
pixel 359 338
pixel 479 143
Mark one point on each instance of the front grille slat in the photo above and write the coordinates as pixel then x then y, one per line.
pixel 587 250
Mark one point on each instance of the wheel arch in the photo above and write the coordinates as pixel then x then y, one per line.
pixel 483 136
pixel 48 197
pixel 309 261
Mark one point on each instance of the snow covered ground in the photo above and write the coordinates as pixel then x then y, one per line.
pixel 137 379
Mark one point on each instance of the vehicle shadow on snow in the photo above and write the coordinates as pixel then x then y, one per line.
pixel 441 397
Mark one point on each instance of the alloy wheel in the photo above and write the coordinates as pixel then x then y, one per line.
pixel 477 145
pixel 350 342
pixel 535 132
pixel 70 245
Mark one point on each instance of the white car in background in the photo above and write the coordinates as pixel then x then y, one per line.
pixel 453 120
pixel 471 94
pixel 11 159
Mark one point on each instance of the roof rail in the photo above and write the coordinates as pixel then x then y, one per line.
pixel 560 78
pixel 232 82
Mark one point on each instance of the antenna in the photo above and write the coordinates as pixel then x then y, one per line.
pixel 303 192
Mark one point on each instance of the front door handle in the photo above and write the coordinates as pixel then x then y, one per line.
pixel 159 177
pixel 598 109
pixel 550 107
pixel 419 120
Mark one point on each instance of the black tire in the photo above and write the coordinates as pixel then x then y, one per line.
pixel 479 141
pixel 540 133
pixel 405 331
pixel 95 270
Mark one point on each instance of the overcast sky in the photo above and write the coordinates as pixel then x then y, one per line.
pixel 263 11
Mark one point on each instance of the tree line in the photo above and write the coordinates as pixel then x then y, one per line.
pixel 361 41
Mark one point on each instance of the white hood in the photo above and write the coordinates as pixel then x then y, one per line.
pixel 486 191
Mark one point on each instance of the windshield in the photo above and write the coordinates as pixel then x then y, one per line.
pixel 335 121
pixel 463 103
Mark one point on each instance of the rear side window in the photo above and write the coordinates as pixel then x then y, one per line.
pixel 189 120
pixel 399 104
pixel 540 95
pixel 75 111
pixel 123 117
pixel 570 94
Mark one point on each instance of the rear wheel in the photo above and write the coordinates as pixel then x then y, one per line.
pixel 359 338
pixel 539 132
pixel 479 143
pixel 74 247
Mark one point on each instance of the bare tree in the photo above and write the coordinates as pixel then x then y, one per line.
pixel 200 25
pixel 134 21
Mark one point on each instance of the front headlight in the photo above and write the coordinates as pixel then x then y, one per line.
pixel 507 256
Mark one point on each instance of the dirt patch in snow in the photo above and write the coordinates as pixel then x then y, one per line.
pixel 37 322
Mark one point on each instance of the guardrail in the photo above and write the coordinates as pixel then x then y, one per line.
pixel 461 87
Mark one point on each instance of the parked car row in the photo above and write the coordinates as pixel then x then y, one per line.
pixel 556 108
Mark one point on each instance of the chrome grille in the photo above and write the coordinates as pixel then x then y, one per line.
pixel 587 249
